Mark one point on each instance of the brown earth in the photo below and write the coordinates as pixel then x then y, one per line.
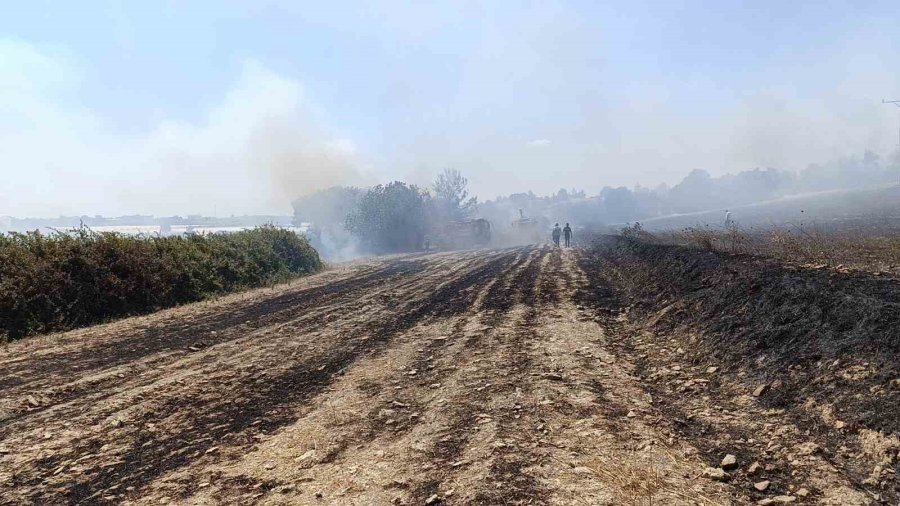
pixel 512 376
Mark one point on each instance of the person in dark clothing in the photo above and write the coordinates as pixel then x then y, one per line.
pixel 556 232
pixel 567 233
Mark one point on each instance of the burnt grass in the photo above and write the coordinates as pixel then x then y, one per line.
pixel 808 333
pixel 509 289
pixel 508 468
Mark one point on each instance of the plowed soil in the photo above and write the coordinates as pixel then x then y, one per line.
pixel 482 377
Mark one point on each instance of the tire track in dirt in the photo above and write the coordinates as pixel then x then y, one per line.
pixel 425 373
pixel 469 407
pixel 468 411
pixel 509 468
pixel 400 411
pixel 202 418
pixel 394 408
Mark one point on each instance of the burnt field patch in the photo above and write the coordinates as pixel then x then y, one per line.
pixel 815 347
pixel 182 427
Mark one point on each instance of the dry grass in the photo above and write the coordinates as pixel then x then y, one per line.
pixel 872 249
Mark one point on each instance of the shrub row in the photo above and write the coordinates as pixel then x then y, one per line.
pixel 64 280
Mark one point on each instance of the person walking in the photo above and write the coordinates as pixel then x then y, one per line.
pixel 555 235
pixel 567 233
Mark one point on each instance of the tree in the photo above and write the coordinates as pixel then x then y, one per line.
pixel 451 198
pixel 391 218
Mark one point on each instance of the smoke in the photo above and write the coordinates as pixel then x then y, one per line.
pixel 260 148
pixel 336 244
pixel 553 97
pixel 532 96
pixel 261 144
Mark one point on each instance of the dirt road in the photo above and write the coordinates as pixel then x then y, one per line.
pixel 458 378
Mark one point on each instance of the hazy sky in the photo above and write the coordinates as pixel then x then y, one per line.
pixel 193 107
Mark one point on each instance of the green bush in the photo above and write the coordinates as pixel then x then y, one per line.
pixel 64 280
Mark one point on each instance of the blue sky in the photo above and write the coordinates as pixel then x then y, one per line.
pixel 183 107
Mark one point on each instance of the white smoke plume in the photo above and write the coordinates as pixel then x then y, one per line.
pixel 261 145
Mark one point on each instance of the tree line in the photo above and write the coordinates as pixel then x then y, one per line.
pixel 397 216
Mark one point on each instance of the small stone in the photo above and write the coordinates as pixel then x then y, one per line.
pixel 631 414
pixel 711 369
pixel 308 454
pixel 433 499
pixel 762 486
pixel 839 424
pixel 784 499
pixel 807 448
pixel 754 468
pixel 729 462
pixel 760 390
pixel 802 492
pixel 269 465
pixel 583 470
pixel 715 474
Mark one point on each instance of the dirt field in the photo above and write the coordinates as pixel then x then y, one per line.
pixel 494 377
